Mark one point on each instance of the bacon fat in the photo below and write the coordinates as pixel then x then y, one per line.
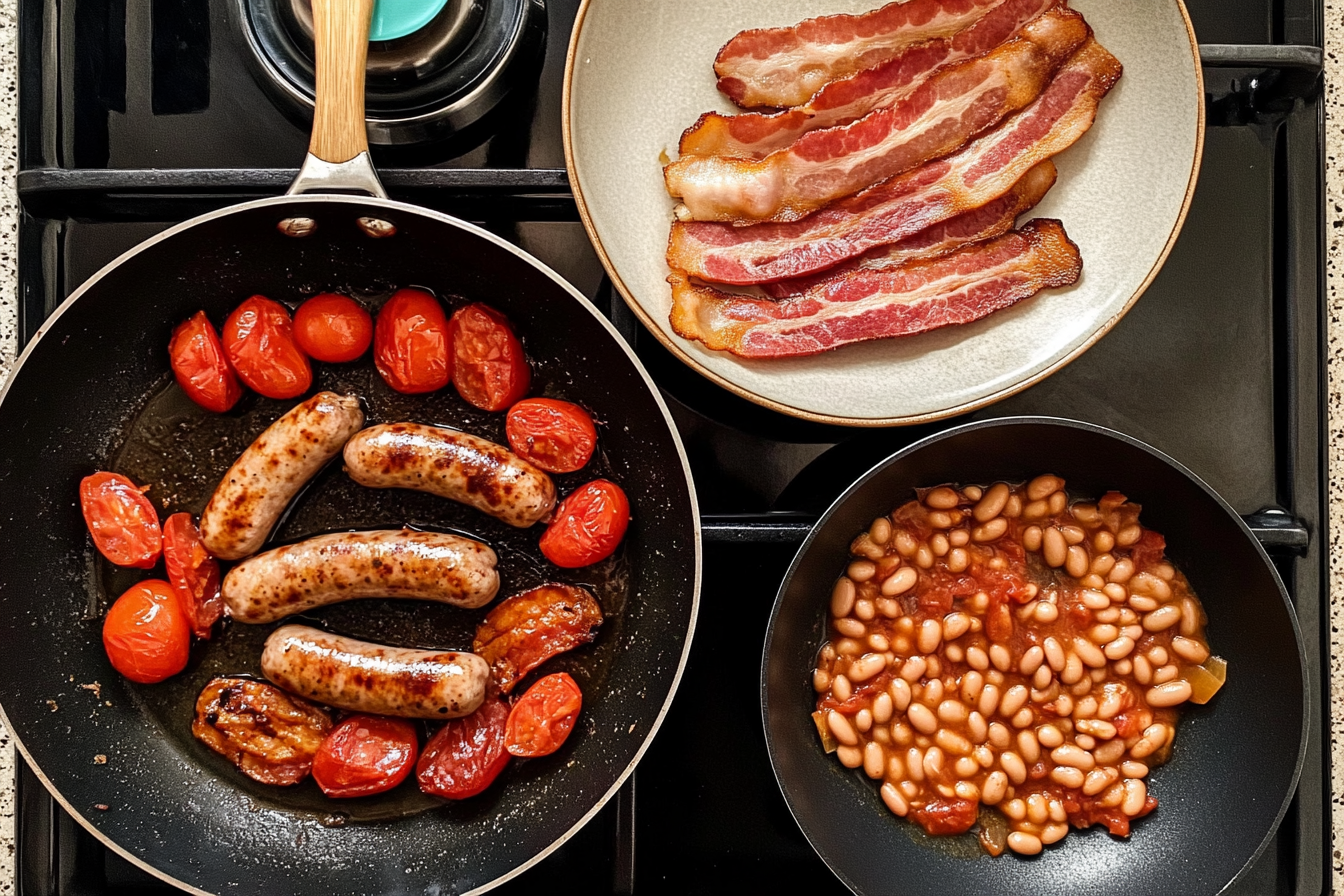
pixel 974 226
pixel 785 66
pixel 754 135
pixel 950 108
pixel 923 295
pixel 904 205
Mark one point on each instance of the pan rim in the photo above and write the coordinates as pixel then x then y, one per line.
pixel 585 304
pixel 1084 426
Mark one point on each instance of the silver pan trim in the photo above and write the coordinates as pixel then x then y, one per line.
pixel 405 208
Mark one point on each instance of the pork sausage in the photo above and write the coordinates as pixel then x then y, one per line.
pixel 329 569
pixel 260 484
pixel 452 465
pixel 364 677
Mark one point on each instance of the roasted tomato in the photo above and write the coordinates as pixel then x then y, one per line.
pixel 124 525
pixel 526 630
pixel 193 573
pixel 145 633
pixel 588 525
pixel 333 328
pixel 411 343
pixel 946 816
pixel 489 368
pixel 542 718
pixel 365 755
pixel 259 338
pixel 466 754
pixel 556 436
pixel 201 367
pixel 271 736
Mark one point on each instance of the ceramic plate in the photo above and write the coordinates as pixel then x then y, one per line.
pixel 640 73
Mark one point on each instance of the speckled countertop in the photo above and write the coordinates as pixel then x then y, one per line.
pixel 1334 211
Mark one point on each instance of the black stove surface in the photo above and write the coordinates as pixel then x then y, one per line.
pixel 111 88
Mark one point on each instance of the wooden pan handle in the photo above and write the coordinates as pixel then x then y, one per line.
pixel 341 38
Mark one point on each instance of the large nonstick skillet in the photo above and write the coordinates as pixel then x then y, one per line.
pixel 93 391
pixel 1236 761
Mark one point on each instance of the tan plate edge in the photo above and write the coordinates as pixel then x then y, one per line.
pixel 685 357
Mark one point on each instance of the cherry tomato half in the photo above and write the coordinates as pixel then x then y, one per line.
pixel 466 754
pixel 201 367
pixel 541 720
pixel 588 525
pixel 193 573
pixel 124 525
pixel 555 435
pixel 259 338
pixel 489 368
pixel 410 343
pixel 333 328
pixel 145 633
pixel 365 755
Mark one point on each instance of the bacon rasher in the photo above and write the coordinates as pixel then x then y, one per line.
pixel 977 225
pixel 963 286
pixel 951 107
pixel 895 209
pixel 753 135
pixel 785 66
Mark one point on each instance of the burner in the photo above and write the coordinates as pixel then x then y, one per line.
pixel 434 67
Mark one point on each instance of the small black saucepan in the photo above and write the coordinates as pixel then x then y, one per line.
pixel 94 391
pixel 1236 760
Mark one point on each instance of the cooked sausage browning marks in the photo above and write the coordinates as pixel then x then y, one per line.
pixel 364 677
pixel 347 565
pixel 255 491
pixel 1038 666
pixel 452 465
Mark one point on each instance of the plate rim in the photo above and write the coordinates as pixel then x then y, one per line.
pixel 681 354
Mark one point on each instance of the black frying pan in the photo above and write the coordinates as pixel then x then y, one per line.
pixel 1236 761
pixel 93 391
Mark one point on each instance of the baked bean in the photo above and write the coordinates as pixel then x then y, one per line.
pixel 883 708
pixel 1029 746
pixel 842 596
pixel 1157 655
pixel 866 666
pixel 895 800
pixel 864 546
pixel 1136 794
pixel 1190 617
pixel 1150 585
pixel 1054 832
pixel 952 742
pixel 1066 777
pixel 1013 700
pixel 1031 660
pixel 1143 670
pixel 942 498
pixel 922 718
pixel 1077 561
pixel 992 503
pixel 933 691
pixel 977 727
pixel 976 658
pixel 905 544
pixel 1108 616
pixel 1049 736
pixel 1109 752
pixel 842 729
pixel 821 680
pixel 1038 809
pixel 850 757
pixel 874 760
pixel 1162 618
pixel 1073 669
pixel 1099 779
pixel 1036 510
pixel 841 688
pixel 1057 502
pixel 1031 538
pixel 996 787
pixel 902 733
pixel 953 712
pixel 933 762
pixel 914 669
pixel 1094 600
pixel 1023 717
pixel 1053 547
pixel 1114 592
pixel 1089 653
pixel 1046 612
pixel 1074 756
pixel 879 642
pixel 1169 693
pixel 972 684
pixel 888 607
pixel 972 493
pixel 1188 650
pixel 934 666
pixel 1103 634
pixel 990 531
pixel 1133 769
pixel 849 647
pixel 1119 648
pixel 1015 809
pixel 1104 541
pixel 1165 674
pixel 899 689
pixel 899 582
pixel 880 530
pixel 864 609
pixel 1000 657
pixel 924 557
pixel 966 766
pixel 1128 535
pixel 862 570
pixel 1096 727
pixel 1043 487
pixel 1121 572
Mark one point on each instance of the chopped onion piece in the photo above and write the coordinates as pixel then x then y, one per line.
pixel 827 738
pixel 1205 680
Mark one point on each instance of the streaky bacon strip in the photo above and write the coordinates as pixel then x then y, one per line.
pixel 753 135
pixel 953 106
pixel 923 295
pixel 904 205
pixel 977 225
pixel 785 66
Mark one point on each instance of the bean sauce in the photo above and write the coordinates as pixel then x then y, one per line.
pixel 1009 647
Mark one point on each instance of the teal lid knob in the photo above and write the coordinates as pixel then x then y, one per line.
pixel 397 18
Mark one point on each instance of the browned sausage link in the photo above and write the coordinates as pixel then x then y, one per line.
pixel 259 486
pixel 348 565
pixel 364 677
pixel 452 465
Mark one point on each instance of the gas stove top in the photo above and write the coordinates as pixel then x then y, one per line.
pixel 134 116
